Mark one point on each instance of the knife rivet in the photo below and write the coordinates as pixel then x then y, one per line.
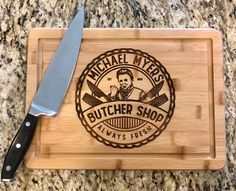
pixel 27 123
pixel 8 168
pixel 18 145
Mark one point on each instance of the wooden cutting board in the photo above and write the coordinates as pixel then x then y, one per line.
pixel 139 99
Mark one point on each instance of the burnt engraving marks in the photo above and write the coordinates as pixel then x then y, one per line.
pixel 125 98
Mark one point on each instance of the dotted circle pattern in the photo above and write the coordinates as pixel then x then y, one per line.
pixel 139 53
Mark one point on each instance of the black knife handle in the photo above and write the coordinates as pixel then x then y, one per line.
pixel 19 147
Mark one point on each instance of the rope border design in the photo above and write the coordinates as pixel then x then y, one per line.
pixel 139 53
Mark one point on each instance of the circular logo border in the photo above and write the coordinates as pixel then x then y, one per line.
pixel 139 53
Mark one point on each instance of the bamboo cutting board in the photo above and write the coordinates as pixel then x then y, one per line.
pixel 139 99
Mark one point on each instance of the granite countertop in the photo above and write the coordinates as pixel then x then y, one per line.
pixel 17 18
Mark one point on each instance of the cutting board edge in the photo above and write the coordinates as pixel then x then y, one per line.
pixel 217 35
pixel 126 164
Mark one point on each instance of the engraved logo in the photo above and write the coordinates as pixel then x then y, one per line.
pixel 125 98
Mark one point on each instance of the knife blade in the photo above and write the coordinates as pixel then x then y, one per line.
pixel 151 93
pixel 156 102
pixel 49 96
pixel 89 99
pixel 99 93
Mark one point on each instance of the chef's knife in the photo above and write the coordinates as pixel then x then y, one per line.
pixel 49 96
pixel 151 93
pixel 89 99
pixel 99 93
pixel 156 102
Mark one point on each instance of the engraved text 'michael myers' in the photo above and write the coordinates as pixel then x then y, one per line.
pixel 150 67
pixel 106 63
pixel 134 112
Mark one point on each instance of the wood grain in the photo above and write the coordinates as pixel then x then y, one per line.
pixel 195 137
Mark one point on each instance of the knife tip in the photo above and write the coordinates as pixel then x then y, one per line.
pixel 81 9
pixel 80 14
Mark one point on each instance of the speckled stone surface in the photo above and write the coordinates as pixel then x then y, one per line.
pixel 16 20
